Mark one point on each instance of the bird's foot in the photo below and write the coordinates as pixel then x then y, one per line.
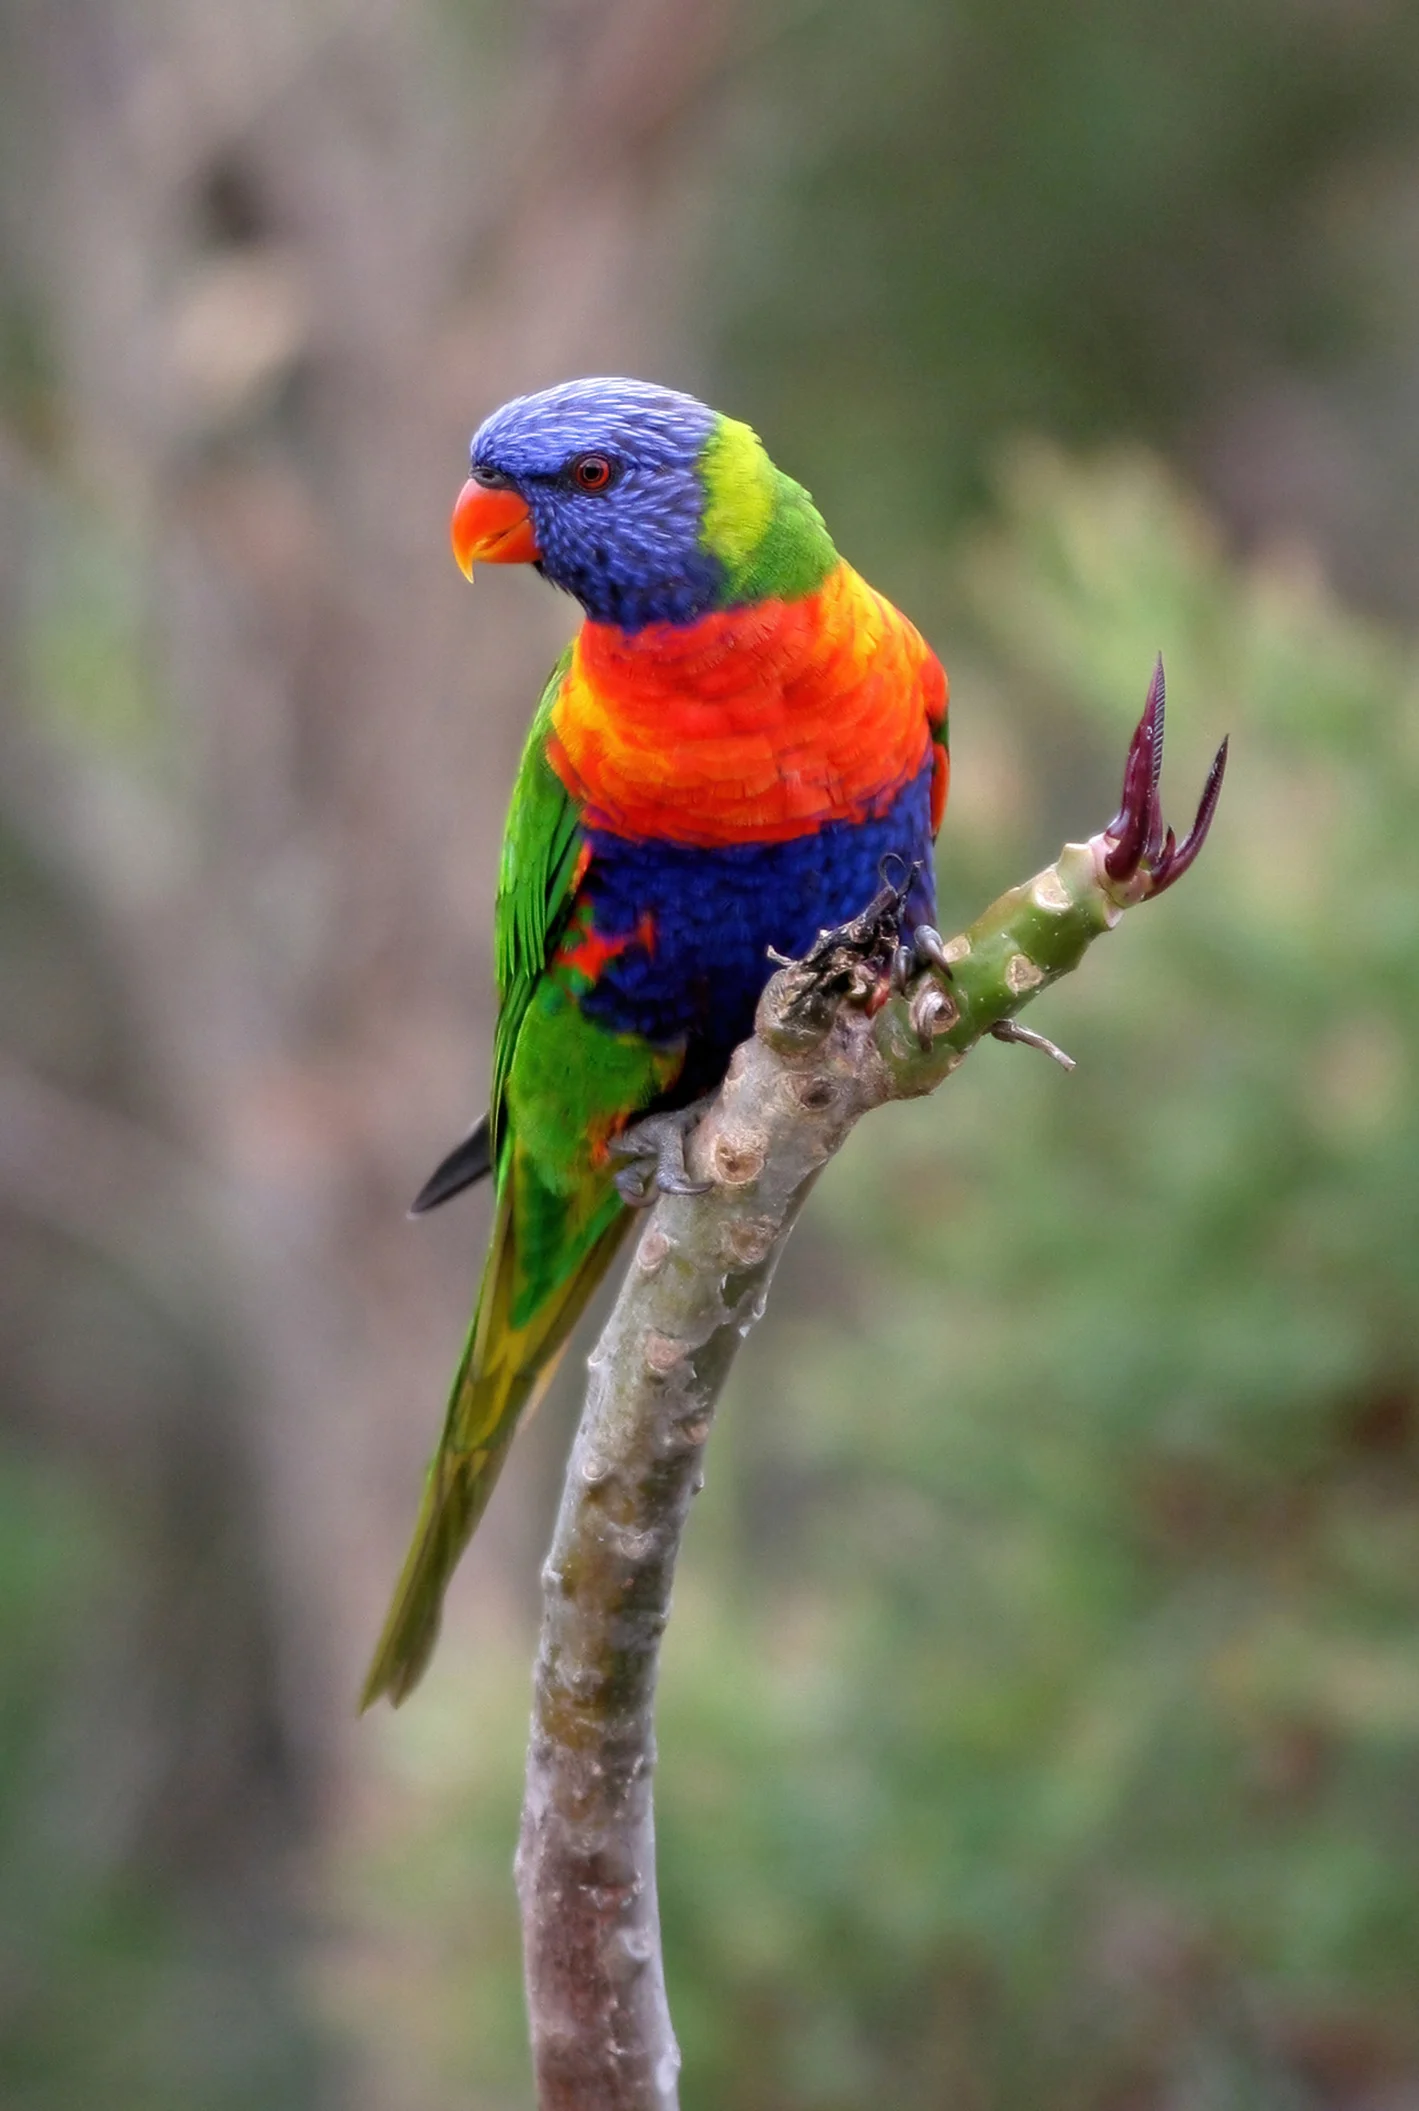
pixel 656 1150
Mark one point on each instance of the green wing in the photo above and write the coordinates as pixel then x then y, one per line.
pixel 535 884
pixel 561 1085
pixel 506 1360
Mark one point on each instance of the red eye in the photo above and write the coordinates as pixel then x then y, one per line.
pixel 591 472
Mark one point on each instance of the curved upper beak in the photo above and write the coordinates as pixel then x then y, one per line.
pixel 491 525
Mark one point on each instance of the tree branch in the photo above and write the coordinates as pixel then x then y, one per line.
pixel 836 1034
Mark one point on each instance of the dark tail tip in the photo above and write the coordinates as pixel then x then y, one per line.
pixel 466 1163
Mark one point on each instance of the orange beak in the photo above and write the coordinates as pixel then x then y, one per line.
pixel 491 526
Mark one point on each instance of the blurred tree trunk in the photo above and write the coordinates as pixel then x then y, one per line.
pixel 286 257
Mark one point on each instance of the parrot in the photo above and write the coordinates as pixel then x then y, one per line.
pixel 740 734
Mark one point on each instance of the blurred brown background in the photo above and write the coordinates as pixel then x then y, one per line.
pixel 1041 1712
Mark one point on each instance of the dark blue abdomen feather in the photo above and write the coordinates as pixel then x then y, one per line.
pixel 717 912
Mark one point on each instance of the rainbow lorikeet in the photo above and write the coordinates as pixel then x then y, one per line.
pixel 737 737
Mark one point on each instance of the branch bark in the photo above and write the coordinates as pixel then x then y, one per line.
pixel 833 1039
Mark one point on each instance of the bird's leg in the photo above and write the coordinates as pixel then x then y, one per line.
pixel 656 1149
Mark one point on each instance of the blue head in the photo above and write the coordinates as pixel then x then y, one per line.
pixel 611 474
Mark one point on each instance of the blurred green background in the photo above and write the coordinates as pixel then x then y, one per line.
pixel 1040 1717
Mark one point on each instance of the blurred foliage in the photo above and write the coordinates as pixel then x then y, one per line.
pixel 1040 1722
pixel 146 1954
pixel 1192 225
pixel 1040 1718
pixel 115 1987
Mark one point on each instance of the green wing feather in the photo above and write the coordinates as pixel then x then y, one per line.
pixel 557 1079
pixel 535 882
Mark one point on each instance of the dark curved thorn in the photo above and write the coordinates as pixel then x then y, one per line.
pixel 1139 843
pixel 1011 1030
pixel 1157 689
pixel 1139 818
pixel 1129 826
pixel 930 949
pixel 1153 848
pixel 1158 696
pixel 1161 859
pixel 1197 835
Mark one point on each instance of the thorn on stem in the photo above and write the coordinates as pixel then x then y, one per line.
pixel 1137 844
pixel 930 949
pixel 1011 1030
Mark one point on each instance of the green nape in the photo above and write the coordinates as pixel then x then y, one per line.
pixel 764 528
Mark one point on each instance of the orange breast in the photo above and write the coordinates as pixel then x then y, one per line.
pixel 753 725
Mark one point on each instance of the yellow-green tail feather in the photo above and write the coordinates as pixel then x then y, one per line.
pixel 504 1371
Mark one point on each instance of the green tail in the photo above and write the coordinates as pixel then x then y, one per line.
pixel 507 1365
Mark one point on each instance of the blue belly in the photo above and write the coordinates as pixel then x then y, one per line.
pixel 717 912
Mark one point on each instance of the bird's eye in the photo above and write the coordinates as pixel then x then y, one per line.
pixel 591 472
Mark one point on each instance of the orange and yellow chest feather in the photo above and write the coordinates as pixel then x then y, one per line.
pixel 754 725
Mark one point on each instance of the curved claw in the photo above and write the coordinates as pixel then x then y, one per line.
pixel 1137 845
pixel 635 1184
